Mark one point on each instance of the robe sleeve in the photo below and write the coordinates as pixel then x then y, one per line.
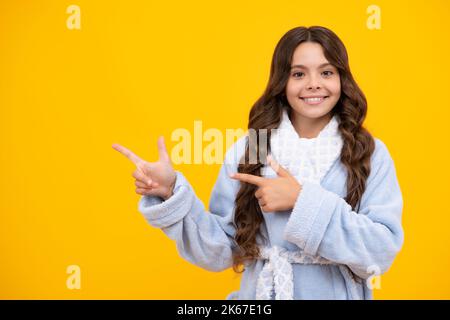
pixel 204 238
pixel 322 223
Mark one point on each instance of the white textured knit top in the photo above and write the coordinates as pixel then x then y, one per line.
pixel 307 160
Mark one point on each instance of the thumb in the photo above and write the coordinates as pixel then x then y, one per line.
pixel 282 172
pixel 162 151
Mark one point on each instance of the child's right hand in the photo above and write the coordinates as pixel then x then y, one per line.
pixel 152 178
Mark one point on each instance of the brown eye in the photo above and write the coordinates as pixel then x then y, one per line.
pixel 328 73
pixel 298 73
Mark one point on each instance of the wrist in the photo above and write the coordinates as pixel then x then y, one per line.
pixel 170 191
pixel 298 190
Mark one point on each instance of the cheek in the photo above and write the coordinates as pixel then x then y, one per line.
pixel 293 88
pixel 335 87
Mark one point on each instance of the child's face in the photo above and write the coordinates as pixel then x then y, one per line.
pixel 312 79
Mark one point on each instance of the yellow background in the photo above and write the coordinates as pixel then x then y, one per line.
pixel 140 69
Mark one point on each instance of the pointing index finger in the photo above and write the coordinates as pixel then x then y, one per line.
pixel 127 153
pixel 249 178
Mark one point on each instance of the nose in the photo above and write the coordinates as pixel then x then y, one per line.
pixel 313 84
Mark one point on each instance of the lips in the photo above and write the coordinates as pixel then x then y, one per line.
pixel 314 100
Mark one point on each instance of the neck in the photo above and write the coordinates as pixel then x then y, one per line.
pixel 308 127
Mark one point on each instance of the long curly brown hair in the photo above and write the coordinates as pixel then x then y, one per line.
pixel 266 113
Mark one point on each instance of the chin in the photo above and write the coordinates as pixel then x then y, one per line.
pixel 311 114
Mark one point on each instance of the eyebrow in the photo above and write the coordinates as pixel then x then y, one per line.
pixel 304 67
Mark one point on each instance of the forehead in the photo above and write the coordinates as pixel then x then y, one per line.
pixel 309 54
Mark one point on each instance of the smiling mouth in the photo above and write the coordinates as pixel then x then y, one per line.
pixel 314 101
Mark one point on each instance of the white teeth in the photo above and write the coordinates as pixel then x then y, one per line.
pixel 313 99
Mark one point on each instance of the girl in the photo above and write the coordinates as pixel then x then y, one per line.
pixel 320 217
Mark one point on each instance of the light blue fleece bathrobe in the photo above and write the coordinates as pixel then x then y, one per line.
pixel 321 224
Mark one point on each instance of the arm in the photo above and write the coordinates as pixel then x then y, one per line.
pixel 322 223
pixel 202 238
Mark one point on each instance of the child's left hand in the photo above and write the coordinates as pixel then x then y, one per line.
pixel 273 194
